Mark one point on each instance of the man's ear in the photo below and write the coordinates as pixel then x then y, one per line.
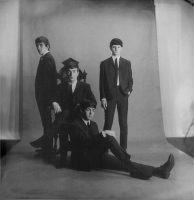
pixel 48 47
pixel 81 113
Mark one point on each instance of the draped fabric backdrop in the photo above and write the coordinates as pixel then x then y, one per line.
pixel 9 69
pixel 175 34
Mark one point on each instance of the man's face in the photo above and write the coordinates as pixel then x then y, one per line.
pixel 42 48
pixel 89 113
pixel 72 74
pixel 116 50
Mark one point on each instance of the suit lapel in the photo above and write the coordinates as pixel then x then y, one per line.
pixel 76 92
pixel 76 88
pixel 83 127
pixel 111 63
pixel 65 89
pixel 121 64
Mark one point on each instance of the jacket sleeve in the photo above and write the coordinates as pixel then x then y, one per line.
pixel 90 94
pixel 50 80
pixel 101 82
pixel 130 80
pixel 59 95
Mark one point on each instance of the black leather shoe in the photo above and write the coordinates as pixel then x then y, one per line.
pixel 37 143
pixel 169 164
pixel 164 170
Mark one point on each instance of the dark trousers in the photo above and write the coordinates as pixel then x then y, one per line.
pixel 123 161
pixel 121 101
pixel 45 115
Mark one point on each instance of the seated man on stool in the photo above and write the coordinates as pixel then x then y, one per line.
pixel 89 147
pixel 70 93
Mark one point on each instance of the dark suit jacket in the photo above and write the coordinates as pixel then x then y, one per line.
pixel 69 101
pixel 45 81
pixel 108 78
pixel 86 144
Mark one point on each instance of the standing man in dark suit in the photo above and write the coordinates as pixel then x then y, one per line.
pixel 89 147
pixel 70 93
pixel 115 87
pixel 45 93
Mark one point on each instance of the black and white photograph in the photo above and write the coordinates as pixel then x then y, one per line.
pixel 97 99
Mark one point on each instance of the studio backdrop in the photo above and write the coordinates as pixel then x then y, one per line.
pixel 83 30
pixel 158 40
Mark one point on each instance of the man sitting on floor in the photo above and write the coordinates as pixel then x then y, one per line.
pixel 89 146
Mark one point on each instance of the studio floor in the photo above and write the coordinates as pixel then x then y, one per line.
pixel 24 176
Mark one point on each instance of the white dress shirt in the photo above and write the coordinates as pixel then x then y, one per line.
pixel 118 59
pixel 87 122
pixel 73 86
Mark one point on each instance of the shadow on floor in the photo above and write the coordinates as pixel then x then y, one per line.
pixel 6 145
pixel 184 144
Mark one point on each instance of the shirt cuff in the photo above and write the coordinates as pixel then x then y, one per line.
pixel 103 134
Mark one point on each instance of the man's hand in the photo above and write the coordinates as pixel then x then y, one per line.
pixel 57 108
pixel 104 103
pixel 108 132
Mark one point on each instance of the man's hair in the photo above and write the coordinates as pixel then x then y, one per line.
pixel 116 41
pixel 44 40
pixel 86 103
pixel 71 63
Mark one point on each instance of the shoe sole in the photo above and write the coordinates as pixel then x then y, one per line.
pixel 166 175
pixel 172 161
pixel 34 145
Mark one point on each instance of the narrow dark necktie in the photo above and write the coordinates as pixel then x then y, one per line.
pixel 70 88
pixel 117 67
pixel 70 94
pixel 88 125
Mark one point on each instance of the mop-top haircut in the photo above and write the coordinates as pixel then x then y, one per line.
pixel 44 40
pixel 116 41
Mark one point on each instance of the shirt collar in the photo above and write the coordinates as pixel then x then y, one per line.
pixel 45 53
pixel 114 57
pixel 73 84
pixel 86 121
pixel 42 56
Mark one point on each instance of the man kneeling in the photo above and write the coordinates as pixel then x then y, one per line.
pixel 89 147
